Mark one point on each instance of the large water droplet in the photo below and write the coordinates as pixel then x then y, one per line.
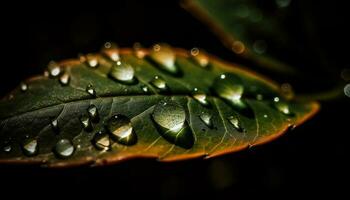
pixel 121 130
pixel 30 147
pixel 206 119
pixel 54 125
pixel 101 141
pixel 163 57
pixel 170 120
pixel 200 97
pixel 123 73
pixel 54 69
pixel 24 87
pixel 86 123
pixel 91 90
pixel 236 122
pixel 159 83
pixel 64 148
pixel 93 113
pixel 64 79
pixel 200 58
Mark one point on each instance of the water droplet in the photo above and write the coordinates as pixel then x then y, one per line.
pixel 199 57
pixel 24 87
pixel 54 69
pixel 283 3
pixel 260 46
pixel 64 148
pixel 206 119
pixel 54 125
pixel 265 116
pixel 164 58
pixel 123 73
pixel 110 50
pixel 121 130
pixel 107 45
pixel 200 97
pixel 92 62
pixel 101 141
pixel 86 123
pixel 282 107
pixel 145 89
pixel 170 120
pixel 276 99
pixel 93 113
pixel 138 51
pixel 90 89
pixel 236 122
pixel 30 147
pixel 347 90
pixel 46 73
pixel 7 148
pixel 64 79
pixel 159 83
pixel 238 47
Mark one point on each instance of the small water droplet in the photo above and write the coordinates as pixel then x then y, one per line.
pixel 163 57
pixel 86 123
pixel 347 90
pixel 206 119
pixel 265 116
pixel 236 122
pixel 101 141
pixel 64 148
pixel 92 62
pixel 144 89
pixel 93 113
pixel 238 47
pixel 7 148
pixel 159 83
pixel 276 99
pixel 138 51
pixel 24 87
pixel 54 69
pixel 260 46
pixel 282 107
pixel 30 147
pixel 123 73
pixel 110 50
pixel 199 57
pixel 121 130
pixel 64 79
pixel 54 125
pixel 200 97
pixel 170 120
pixel 46 73
pixel 107 45
pixel 90 89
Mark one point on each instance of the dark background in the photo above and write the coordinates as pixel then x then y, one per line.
pixel 309 161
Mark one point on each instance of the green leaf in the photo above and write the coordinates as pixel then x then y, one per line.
pixel 163 103
pixel 248 30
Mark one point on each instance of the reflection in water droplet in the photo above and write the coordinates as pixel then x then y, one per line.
pixel 260 46
pixel 199 57
pixel 347 90
pixel 64 79
pixel 170 120
pixel 54 69
pixel 159 83
pixel 138 51
pixel 30 147
pixel 123 73
pixel 24 87
pixel 164 58
pixel 101 141
pixel 200 97
pixel 7 148
pixel 86 123
pixel 283 3
pixel 236 122
pixel 121 130
pixel 90 89
pixel 54 125
pixel 238 47
pixel 206 119
pixel 64 148
pixel 93 113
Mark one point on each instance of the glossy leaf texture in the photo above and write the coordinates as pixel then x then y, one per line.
pixel 250 31
pixel 163 103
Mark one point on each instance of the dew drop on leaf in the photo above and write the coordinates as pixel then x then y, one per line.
pixel 54 125
pixel 170 120
pixel 86 123
pixel 138 52
pixel 200 97
pixel 101 141
pixel 121 130
pixel 200 58
pixel 206 119
pixel 144 89
pixel 64 148
pixel 164 58
pixel 7 148
pixel 123 73
pixel 92 62
pixel 54 69
pixel 93 113
pixel 64 79
pixel 110 50
pixel 91 90
pixel 282 107
pixel 236 122
pixel 30 147
pixel 24 87
pixel 159 83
